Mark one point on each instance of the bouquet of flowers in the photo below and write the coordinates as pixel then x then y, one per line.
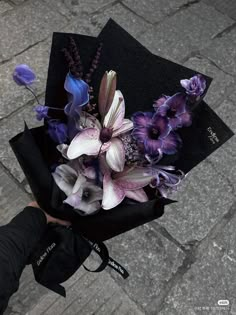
pixel 122 127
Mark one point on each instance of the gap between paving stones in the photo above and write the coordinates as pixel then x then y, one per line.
pixel 193 253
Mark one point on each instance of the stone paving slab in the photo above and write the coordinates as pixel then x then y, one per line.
pixel 78 8
pixel 87 294
pixel 8 129
pixel 129 21
pixel 12 198
pixel 210 279
pixel 185 32
pixel 25 26
pixel 227 7
pixel 154 11
pixel 224 158
pixel 4 7
pixel 151 260
pixel 222 51
pixel 203 198
pixel 222 85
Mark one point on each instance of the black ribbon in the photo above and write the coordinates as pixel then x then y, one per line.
pixel 102 251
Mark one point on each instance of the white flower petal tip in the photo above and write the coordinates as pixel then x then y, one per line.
pixel 63 149
pixel 86 142
pixel 113 195
pixel 115 155
pixel 126 126
pixel 106 92
pixel 133 178
pixel 115 116
pixel 138 195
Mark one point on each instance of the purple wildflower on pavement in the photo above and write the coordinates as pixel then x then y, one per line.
pixel 154 132
pixel 23 75
pixel 175 109
pixel 41 112
pixel 57 131
pixel 195 86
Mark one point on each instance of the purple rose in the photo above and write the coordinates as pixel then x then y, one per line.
pixel 23 75
pixel 175 109
pixel 41 112
pixel 154 132
pixel 57 131
pixel 195 86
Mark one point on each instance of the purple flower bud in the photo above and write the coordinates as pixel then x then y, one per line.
pixel 195 86
pixel 23 75
pixel 41 112
pixel 57 131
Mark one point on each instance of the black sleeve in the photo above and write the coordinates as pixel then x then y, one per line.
pixel 17 240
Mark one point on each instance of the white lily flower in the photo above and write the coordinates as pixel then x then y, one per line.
pixel 97 138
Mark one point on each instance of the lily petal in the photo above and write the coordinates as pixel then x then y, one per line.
pixel 115 116
pixel 133 178
pixel 127 125
pixel 113 195
pixel 86 142
pixel 88 121
pixel 138 195
pixel 115 155
pixel 106 92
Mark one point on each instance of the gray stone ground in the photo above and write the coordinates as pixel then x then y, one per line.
pixel 184 262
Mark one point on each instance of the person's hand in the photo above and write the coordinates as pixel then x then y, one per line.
pixel 49 218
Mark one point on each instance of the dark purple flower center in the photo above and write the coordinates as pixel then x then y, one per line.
pixel 105 134
pixel 171 112
pixel 86 194
pixel 153 133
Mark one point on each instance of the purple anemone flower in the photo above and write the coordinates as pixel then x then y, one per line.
pixel 57 131
pixel 154 132
pixel 77 94
pixel 175 109
pixel 23 75
pixel 41 112
pixel 195 86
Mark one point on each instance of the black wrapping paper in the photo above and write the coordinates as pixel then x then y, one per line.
pixel 142 78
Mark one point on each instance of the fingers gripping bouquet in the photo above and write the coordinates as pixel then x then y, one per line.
pixel 121 129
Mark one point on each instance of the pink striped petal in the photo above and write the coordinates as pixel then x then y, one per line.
pixel 138 195
pixel 86 142
pixel 113 195
pixel 127 125
pixel 115 155
pixel 115 116
pixel 133 178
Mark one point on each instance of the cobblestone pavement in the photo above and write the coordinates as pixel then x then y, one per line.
pixel 184 262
